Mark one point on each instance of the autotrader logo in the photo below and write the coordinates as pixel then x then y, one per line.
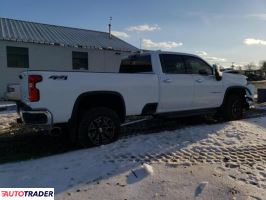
pixel 27 193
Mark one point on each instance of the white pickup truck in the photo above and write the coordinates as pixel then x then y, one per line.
pixel 94 105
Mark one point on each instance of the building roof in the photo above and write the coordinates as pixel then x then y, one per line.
pixel 31 32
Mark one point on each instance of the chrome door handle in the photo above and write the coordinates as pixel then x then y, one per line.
pixel 168 80
pixel 199 80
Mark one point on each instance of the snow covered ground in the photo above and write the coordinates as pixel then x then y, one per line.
pixel 218 161
pixel 7 118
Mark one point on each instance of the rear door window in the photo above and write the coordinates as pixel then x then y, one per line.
pixel 136 64
pixel 172 64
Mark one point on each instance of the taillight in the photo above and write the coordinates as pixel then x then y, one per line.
pixel 34 93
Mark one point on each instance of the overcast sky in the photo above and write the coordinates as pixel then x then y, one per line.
pixel 221 31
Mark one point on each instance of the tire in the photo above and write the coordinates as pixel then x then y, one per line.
pixel 98 126
pixel 233 108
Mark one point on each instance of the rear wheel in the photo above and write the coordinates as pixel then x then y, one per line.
pixel 98 126
pixel 233 108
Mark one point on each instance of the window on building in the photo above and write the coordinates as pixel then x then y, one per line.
pixel 136 64
pixel 172 64
pixel 80 60
pixel 197 66
pixel 17 57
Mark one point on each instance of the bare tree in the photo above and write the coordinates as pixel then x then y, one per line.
pixel 250 66
pixel 263 66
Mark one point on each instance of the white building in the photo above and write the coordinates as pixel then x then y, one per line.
pixel 34 46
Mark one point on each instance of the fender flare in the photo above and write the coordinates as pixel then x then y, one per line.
pixel 248 92
pixel 73 121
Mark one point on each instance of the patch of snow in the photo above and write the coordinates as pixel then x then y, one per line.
pixel 148 169
pixel 140 173
pixel 6 119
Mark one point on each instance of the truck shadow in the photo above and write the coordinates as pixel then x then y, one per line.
pixel 19 144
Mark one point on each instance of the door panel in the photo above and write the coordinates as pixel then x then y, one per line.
pixel 176 92
pixel 176 86
pixel 208 91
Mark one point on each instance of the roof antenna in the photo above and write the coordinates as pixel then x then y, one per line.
pixel 110 26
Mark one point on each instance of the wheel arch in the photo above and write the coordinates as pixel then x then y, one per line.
pixel 238 90
pixel 92 99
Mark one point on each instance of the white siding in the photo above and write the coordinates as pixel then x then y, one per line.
pixel 45 57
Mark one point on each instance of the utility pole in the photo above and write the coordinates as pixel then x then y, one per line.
pixel 110 27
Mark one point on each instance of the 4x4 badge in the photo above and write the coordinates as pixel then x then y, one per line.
pixel 55 77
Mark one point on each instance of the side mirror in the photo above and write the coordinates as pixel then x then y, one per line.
pixel 217 72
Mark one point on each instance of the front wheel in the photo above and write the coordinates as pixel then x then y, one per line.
pixel 233 108
pixel 98 126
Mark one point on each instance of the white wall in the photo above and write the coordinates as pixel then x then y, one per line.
pixel 46 57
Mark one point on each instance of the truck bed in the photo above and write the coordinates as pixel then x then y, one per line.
pixel 60 89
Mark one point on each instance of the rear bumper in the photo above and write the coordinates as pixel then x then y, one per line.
pixel 41 118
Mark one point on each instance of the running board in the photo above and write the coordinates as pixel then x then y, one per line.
pixel 134 122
